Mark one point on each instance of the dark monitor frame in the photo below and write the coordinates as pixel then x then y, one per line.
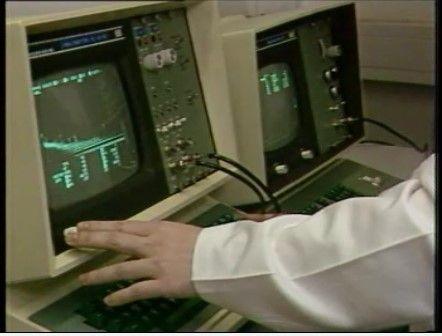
pixel 345 34
pixel 148 185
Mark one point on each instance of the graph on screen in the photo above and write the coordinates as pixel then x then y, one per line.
pixel 86 132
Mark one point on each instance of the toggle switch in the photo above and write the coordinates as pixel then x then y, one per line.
pixel 281 169
pixel 331 75
pixel 153 61
pixel 169 56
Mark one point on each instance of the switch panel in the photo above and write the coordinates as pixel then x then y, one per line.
pixel 176 100
pixel 327 102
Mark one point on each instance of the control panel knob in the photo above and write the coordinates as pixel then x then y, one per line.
pixel 335 92
pixel 331 74
pixel 375 181
pixel 181 143
pixel 307 154
pixel 184 143
pixel 169 149
pixel 172 165
pixel 281 169
pixel 169 56
pixel 333 51
pixel 329 50
pixel 153 61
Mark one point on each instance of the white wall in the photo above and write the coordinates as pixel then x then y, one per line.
pixel 26 8
pixel 408 108
pixel 372 10
pixel 379 10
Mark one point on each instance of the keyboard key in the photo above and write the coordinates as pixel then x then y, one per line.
pixel 325 201
pixel 96 320
pixel 136 327
pixel 86 309
pixel 183 314
pixel 136 308
pixel 114 325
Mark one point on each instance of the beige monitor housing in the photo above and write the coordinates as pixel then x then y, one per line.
pixel 239 43
pixel 30 254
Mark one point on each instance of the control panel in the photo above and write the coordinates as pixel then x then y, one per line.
pixel 171 82
pixel 309 90
pixel 320 56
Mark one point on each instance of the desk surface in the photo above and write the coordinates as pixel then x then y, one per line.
pixel 397 161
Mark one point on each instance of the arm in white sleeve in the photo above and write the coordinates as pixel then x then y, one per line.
pixel 359 264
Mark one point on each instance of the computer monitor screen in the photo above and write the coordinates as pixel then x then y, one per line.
pixel 279 106
pixel 86 133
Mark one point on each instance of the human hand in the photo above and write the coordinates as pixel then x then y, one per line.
pixel 164 250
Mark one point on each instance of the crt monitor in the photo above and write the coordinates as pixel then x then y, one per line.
pixel 96 143
pixel 279 103
pixel 103 107
pixel 86 132
pixel 295 89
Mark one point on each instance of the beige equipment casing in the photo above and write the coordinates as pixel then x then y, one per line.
pixel 35 275
pixel 239 43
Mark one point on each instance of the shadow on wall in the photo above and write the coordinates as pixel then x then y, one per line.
pixel 408 108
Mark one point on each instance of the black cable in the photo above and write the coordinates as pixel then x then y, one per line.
pixel 253 177
pixel 239 177
pixel 399 135
pixel 378 142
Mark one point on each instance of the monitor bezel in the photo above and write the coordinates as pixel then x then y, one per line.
pixel 145 187
pixel 351 77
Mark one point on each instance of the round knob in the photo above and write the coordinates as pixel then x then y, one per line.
pixel 307 154
pixel 334 51
pixel 334 92
pixel 153 61
pixel 187 158
pixel 169 56
pixel 181 143
pixel 170 149
pixel 281 169
pixel 377 180
pixel 331 74
pixel 184 143
pixel 172 165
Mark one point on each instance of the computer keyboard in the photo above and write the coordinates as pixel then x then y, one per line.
pixel 84 309
pixel 141 316
pixel 160 314
pixel 168 315
pixel 335 194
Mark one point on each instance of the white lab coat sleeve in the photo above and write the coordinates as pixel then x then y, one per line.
pixel 359 264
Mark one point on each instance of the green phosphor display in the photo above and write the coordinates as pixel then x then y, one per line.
pixel 276 81
pixel 279 106
pixel 86 133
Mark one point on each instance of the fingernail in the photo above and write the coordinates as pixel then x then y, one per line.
pixel 83 225
pixel 71 238
pixel 109 300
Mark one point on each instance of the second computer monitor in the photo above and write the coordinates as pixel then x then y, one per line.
pixel 295 88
